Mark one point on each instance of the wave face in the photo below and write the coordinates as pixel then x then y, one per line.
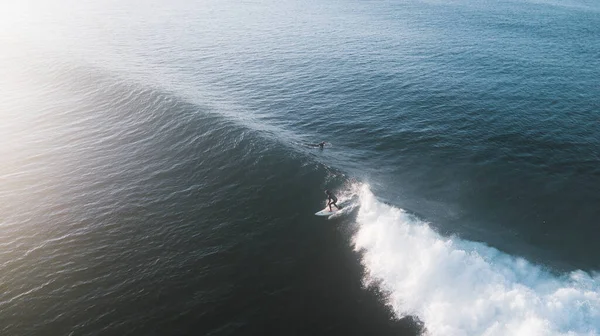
pixel 457 287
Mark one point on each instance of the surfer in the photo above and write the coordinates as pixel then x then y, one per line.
pixel 331 200
pixel 321 145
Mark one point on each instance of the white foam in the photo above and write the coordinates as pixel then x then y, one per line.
pixel 458 287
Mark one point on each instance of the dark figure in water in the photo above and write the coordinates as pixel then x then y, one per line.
pixel 331 200
pixel 321 145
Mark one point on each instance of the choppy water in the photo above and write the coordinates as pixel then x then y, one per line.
pixel 156 178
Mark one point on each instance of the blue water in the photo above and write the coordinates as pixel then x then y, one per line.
pixel 157 175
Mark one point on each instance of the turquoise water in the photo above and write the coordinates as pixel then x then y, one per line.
pixel 157 177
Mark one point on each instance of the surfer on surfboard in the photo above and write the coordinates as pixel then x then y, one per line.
pixel 321 145
pixel 331 200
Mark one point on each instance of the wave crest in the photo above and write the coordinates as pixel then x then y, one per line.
pixel 458 287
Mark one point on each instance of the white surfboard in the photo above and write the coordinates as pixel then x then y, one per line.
pixel 326 212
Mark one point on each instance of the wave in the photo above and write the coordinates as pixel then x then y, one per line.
pixel 456 287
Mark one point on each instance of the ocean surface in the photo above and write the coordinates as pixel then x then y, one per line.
pixel 157 173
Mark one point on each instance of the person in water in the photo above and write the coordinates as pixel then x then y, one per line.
pixel 321 145
pixel 331 200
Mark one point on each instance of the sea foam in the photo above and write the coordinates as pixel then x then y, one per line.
pixel 456 287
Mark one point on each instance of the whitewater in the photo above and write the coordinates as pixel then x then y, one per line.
pixel 457 287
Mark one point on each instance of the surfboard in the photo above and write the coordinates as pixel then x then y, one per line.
pixel 326 212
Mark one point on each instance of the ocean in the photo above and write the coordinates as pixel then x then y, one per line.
pixel 158 174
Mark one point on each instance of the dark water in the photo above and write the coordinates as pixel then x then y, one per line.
pixel 156 179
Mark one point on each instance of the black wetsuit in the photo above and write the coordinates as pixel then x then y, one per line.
pixel 332 200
